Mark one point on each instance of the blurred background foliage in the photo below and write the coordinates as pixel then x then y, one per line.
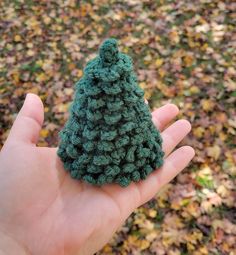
pixel 183 52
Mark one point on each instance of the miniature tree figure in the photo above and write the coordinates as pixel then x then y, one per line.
pixel 110 137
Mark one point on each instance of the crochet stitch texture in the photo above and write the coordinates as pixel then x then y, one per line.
pixel 109 136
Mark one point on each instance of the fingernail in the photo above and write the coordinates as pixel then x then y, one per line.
pixel 27 98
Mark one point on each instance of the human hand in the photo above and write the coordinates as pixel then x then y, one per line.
pixel 45 211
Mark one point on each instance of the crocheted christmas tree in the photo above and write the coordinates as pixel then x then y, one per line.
pixel 110 136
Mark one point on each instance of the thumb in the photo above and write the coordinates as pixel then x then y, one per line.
pixel 28 122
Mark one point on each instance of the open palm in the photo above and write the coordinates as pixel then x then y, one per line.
pixel 45 211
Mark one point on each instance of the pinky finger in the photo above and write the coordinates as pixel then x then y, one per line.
pixel 173 164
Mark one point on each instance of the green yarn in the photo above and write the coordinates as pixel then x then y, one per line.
pixel 109 136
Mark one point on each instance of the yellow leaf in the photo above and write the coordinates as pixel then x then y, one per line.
pixel 202 251
pixel 107 248
pixel 29 45
pixel 16 77
pixel 148 93
pixel 188 60
pixel 17 38
pixel 143 244
pixel 161 72
pixel 204 46
pixel 79 73
pixel 34 90
pixel 144 40
pixel 193 209
pixel 142 84
pixel 68 91
pixel 32 23
pixel 30 53
pixel 44 133
pixel 230 84
pixel 152 213
pixel 198 132
pixel 195 236
pixel 42 144
pixel 152 235
pixel 46 20
pixel 214 152
pixel 194 90
pixel 47 65
pixel 222 191
pixel 157 38
pixel 71 66
pixel 147 59
pixel 159 62
pixel 184 201
pixel 190 247
pixel 223 136
pixel 39 62
pixel 9 46
pixel 41 77
pixel 174 37
pixel 207 105
pixel 205 171
pixel 63 107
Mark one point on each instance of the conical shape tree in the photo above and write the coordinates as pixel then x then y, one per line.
pixel 110 137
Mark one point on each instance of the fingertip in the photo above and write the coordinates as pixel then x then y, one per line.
pixel 173 108
pixel 187 150
pixel 35 98
pixel 169 108
pixel 190 150
pixel 185 124
pixel 34 107
pixel 164 115
pixel 28 122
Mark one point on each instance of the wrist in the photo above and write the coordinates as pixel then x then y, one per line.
pixel 9 246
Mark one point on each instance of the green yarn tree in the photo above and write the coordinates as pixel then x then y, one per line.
pixel 110 137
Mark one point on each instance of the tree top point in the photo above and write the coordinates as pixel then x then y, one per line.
pixel 108 51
